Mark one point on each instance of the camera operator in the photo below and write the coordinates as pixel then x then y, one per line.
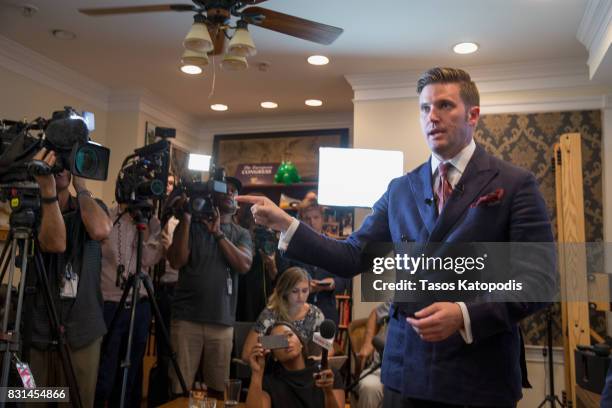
pixel 73 265
pixel 209 254
pixel 118 264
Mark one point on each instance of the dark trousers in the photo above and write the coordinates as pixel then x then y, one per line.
pixel 393 399
pixel 164 295
pixel 110 374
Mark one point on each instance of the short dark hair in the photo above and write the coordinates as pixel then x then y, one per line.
pixel 441 75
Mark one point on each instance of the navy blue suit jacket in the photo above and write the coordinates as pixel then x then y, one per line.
pixel 486 372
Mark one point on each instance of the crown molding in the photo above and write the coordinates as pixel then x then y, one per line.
pixel 279 124
pixel 23 61
pixel 537 75
pixel 144 101
pixel 548 104
pixel 595 32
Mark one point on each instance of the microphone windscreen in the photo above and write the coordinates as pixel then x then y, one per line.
pixel 328 329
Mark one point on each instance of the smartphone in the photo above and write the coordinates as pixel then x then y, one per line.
pixel 274 342
pixel 324 283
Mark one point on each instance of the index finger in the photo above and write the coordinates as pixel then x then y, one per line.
pixel 250 199
pixel 40 154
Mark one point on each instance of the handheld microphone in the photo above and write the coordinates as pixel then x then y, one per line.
pixel 327 332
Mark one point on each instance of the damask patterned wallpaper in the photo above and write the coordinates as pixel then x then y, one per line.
pixel 527 140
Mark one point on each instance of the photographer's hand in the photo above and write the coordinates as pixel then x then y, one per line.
pixel 269 263
pixel 214 224
pixel 46 183
pixel 95 218
pixel 52 231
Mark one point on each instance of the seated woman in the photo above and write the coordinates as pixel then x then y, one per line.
pixel 287 303
pixel 285 378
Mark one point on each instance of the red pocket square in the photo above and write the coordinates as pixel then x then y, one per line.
pixel 489 199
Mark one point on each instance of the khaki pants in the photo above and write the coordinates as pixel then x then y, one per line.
pixel 47 369
pixel 210 344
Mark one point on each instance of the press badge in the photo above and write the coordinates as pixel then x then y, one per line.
pixel 70 283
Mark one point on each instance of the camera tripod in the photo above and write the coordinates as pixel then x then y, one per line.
pixel 23 247
pixel 137 211
pixel 551 397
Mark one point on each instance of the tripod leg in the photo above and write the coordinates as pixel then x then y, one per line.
pixel 64 349
pixel 146 280
pixel 113 322
pixel 6 358
pixel 3 259
pixel 128 350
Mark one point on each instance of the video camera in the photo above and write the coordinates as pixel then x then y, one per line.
pixel 202 194
pixel 66 133
pixel 144 174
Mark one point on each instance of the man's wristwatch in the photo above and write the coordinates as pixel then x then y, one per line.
pixel 219 236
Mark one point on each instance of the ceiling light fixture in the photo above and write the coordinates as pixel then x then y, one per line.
pixel 269 105
pixel 318 60
pixel 219 107
pixel 242 44
pixel 191 69
pixel 465 48
pixel 234 63
pixel 63 34
pixel 313 102
pixel 196 58
pixel 198 37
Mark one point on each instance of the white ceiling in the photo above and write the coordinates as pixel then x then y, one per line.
pixel 143 51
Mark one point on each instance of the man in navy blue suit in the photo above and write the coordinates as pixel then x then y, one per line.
pixel 445 354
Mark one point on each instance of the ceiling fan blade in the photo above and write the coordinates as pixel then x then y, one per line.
pixel 105 11
pixel 294 26
pixel 217 34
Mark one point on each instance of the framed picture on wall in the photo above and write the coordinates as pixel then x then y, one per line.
pixel 299 147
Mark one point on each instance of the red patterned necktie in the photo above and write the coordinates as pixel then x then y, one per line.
pixel 444 189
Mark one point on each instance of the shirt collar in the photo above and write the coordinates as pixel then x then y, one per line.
pixel 459 162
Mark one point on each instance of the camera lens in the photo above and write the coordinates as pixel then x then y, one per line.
pixel 85 161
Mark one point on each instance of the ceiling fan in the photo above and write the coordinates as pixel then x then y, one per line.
pixel 216 15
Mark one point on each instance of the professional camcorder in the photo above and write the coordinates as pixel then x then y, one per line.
pixel 202 194
pixel 144 174
pixel 66 133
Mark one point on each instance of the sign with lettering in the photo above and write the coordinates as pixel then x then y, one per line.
pixel 256 173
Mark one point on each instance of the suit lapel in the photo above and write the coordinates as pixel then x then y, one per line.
pixel 420 183
pixel 475 178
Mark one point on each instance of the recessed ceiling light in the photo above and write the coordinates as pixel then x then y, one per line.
pixel 465 48
pixel 313 102
pixel 318 60
pixel 63 34
pixel 191 69
pixel 269 105
pixel 219 107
